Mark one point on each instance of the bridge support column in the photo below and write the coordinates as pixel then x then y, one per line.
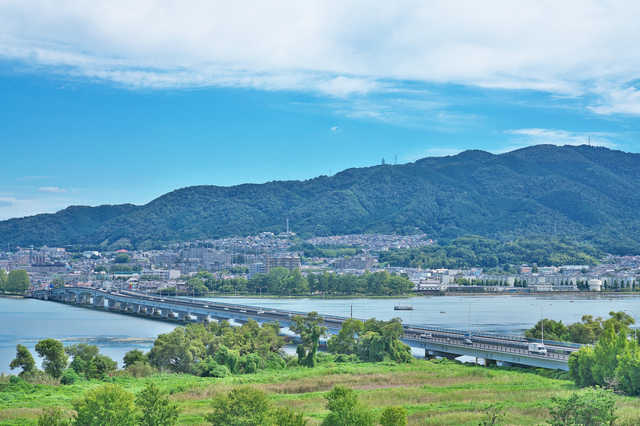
pixel 165 313
pixel 204 319
pixel 150 310
pixel 98 302
pixel 123 307
pixel 111 304
pixel 135 309
pixel 428 355
pixel 183 316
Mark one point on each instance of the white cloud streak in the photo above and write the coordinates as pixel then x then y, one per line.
pixel 52 190
pixel 571 47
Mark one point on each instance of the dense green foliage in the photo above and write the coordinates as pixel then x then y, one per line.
pixel 17 281
pixel 432 392
pixel 248 406
pixel 345 409
pixel 585 191
pixel 310 250
pixel 3 280
pixel 23 360
pixel 280 280
pixel 196 349
pixel 587 331
pixel 54 358
pixel 155 408
pixel 310 332
pixel 614 362
pixel 372 341
pixel 472 250
pixel 106 405
pixel 591 407
pixel 88 362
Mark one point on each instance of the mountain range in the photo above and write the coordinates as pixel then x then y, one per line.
pixel 581 192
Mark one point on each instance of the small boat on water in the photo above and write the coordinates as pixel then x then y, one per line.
pixel 442 312
pixel 403 307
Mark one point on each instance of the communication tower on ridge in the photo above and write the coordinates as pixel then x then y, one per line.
pixel 383 163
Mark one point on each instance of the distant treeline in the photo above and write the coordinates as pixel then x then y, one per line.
pixel 475 251
pixel 280 280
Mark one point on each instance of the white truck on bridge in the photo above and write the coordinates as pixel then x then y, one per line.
pixel 537 348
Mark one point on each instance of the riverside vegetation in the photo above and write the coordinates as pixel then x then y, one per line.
pixel 228 376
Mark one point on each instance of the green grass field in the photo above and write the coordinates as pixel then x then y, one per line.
pixel 433 393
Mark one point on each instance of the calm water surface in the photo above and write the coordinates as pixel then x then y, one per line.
pixel 26 321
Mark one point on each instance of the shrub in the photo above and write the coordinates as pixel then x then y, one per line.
pixel 393 416
pixel 106 405
pixel 244 406
pixel 593 407
pixel 52 416
pixel 14 380
pixel 345 410
pixel 156 408
pixel 139 369
pixel 69 377
pixel 210 368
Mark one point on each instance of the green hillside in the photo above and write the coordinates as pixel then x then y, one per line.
pixel 586 192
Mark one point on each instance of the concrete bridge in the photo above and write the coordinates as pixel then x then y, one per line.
pixel 503 350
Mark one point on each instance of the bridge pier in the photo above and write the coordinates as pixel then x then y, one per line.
pixel 165 313
pixel 183 316
pixel 98 302
pixel 204 319
pixel 150 311
pixel 111 304
pixel 135 309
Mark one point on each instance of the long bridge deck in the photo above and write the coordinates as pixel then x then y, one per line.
pixel 506 350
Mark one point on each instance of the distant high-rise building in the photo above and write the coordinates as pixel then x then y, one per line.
pixel 288 261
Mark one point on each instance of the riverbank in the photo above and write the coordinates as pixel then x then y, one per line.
pixel 432 392
pixel 12 296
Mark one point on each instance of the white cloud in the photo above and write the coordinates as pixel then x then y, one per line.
pixel 333 47
pixel 624 100
pixel 52 190
pixel 526 137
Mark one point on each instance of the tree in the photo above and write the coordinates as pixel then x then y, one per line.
pixel 156 408
pixel 52 416
pixel 122 258
pixel 243 406
pixel 553 330
pixel 106 405
pixel 133 356
pixel 310 331
pixel 345 341
pixel 178 351
pixel 88 361
pixel 591 407
pixel 3 280
pixel 54 358
pixel 288 417
pixel 23 359
pixel 18 281
pixel 393 416
pixel 58 283
pixel 345 409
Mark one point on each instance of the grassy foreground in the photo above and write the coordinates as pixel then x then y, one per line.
pixel 433 392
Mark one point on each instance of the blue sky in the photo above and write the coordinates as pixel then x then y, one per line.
pixel 109 102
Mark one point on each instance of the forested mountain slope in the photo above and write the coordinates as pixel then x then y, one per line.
pixel 587 192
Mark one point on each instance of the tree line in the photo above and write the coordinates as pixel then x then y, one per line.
pixel 475 251
pixel 17 281
pixel 588 331
pixel 280 280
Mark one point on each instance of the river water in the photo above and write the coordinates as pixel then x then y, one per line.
pixel 26 321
